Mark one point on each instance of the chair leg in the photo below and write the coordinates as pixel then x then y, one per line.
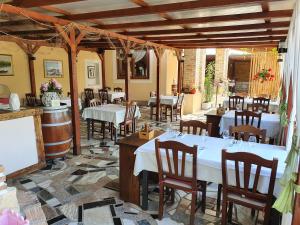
pixel 230 208
pixel 224 212
pixel 161 202
pixel 151 112
pixel 172 195
pixel 219 197
pixel 267 215
pixel 203 207
pixel 193 208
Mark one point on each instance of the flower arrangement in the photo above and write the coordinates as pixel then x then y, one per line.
pixel 51 86
pixel 264 75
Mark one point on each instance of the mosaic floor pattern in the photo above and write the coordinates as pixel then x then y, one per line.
pixel 84 190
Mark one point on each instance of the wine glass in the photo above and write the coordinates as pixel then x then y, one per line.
pixel 225 134
pixel 251 140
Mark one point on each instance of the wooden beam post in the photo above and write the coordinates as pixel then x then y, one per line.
pixel 179 76
pixel 31 59
pixel 158 53
pixel 72 40
pixel 102 58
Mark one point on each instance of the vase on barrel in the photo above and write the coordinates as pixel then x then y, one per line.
pixel 47 98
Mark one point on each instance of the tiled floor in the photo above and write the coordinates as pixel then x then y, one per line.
pixel 84 190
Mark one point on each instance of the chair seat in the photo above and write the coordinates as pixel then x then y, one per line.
pixel 182 184
pixel 240 200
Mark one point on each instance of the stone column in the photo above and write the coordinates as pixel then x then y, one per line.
pixel 221 63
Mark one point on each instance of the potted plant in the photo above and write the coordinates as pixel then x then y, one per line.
pixel 264 75
pixel 208 85
pixel 50 90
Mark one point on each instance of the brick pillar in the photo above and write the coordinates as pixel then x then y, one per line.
pixel 194 65
pixel 221 63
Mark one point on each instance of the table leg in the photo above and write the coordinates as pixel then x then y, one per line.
pixel 115 133
pixel 145 190
pixel 88 128
pixel 171 113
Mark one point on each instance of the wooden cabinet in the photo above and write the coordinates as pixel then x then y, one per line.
pixel 214 119
pixel 129 184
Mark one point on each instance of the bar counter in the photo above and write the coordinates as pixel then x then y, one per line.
pixel 21 141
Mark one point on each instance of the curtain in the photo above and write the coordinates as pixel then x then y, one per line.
pixel 138 54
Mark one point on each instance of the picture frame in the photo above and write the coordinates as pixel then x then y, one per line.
pixel 53 68
pixel 6 65
pixel 91 72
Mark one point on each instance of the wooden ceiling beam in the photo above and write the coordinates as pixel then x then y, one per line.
pixel 229 44
pixel 162 8
pixel 36 3
pixel 223 40
pixel 211 36
pixel 199 20
pixel 51 19
pixel 256 26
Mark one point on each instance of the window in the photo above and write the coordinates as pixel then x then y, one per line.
pixel 139 64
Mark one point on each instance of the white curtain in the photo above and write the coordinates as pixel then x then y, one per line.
pixel 138 54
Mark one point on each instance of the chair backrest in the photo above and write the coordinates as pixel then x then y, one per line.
pixel 31 100
pixel 247 118
pixel 118 89
pixel 262 100
pixel 107 88
pixel 175 154
pixel 103 95
pixel 180 100
pixel 255 107
pixel 130 111
pixel 94 102
pixel 250 162
pixel 244 132
pixel 234 101
pixel 196 126
pixel 89 93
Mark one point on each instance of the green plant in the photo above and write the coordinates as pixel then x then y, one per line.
pixel 208 82
pixel 5 64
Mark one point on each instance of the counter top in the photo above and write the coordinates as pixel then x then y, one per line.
pixel 23 112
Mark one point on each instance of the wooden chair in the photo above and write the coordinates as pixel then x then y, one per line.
pixel 262 101
pixel 94 103
pixel 255 107
pixel 129 119
pixel 118 89
pixel 31 100
pixel 196 125
pixel 177 109
pixel 103 95
pixel 247 118
pixel 234 101
pixel 88 95
pixel 244 194
pixel 244 132
pixel 172 172
pixel 107 88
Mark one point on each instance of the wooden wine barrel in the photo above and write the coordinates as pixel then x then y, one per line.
pixel 57 131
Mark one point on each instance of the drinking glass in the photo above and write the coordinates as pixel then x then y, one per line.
pixel 251 140
pixel 225 134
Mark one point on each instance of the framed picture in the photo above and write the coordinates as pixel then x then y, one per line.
pixel 91 71
pixel 6 65
pixel 53 68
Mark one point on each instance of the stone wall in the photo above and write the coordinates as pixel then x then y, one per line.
pixel 221 63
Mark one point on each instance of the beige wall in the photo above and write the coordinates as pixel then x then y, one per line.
pixel 138 89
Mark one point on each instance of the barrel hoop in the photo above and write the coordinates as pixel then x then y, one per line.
pixel 59 153
pixel 56 124
pixel 56 111
pixel 58 143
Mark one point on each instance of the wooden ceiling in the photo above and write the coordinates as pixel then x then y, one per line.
pixel 176 23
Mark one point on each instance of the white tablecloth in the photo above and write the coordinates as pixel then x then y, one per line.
pixel 273 107
pixel 67 101
pixel 209 159
pixel 110 113
pixel 166 100
pixel 113 95
pixel 270 122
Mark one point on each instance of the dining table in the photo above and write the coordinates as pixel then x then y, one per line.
pixel 112 113
pixel 273 107
pixel 269 121
pixel 112 95
pixel 209 160
pixel 164 100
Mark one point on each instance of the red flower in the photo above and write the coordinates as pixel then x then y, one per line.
pixel 270 70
